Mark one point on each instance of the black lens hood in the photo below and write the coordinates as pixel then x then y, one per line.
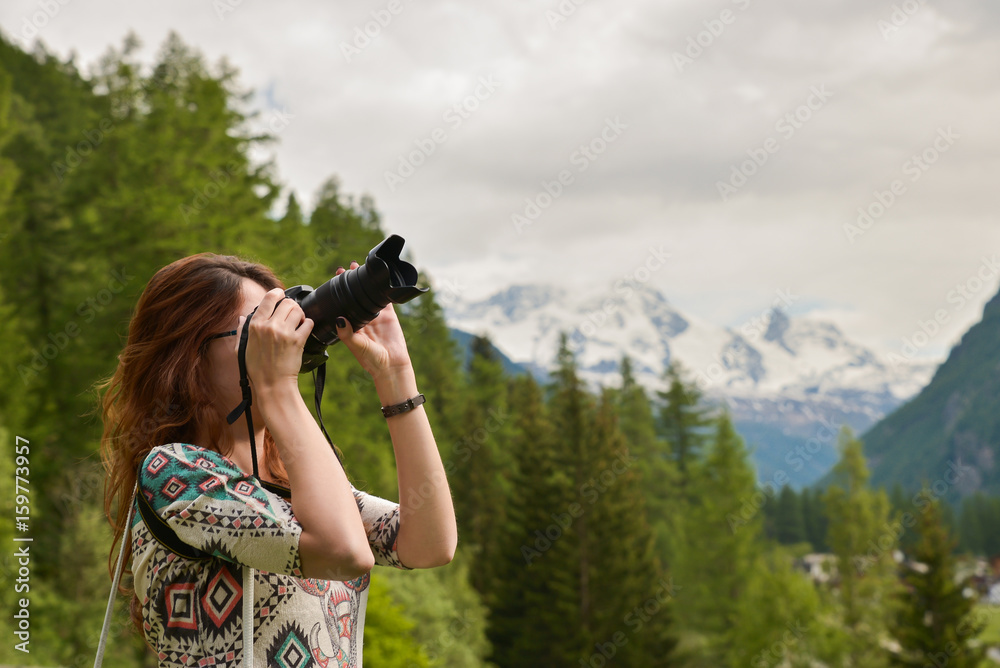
pixel 357 294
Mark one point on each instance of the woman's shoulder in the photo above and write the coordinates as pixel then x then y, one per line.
pixel 190 456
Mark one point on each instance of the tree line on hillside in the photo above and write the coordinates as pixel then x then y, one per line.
pixel 595 528
pixel 798 517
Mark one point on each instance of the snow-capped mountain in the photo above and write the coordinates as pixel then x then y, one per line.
pixel 783 377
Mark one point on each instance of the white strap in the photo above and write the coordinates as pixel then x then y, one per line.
pixel 248 616
pixel 248 598
pixel 126 536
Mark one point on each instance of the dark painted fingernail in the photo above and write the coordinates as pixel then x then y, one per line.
pixel 341 323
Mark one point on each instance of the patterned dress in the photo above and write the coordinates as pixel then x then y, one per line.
pixel 192 609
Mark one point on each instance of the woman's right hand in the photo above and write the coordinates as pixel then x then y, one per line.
pixel 278 332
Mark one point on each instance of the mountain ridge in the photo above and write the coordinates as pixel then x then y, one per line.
pixel 948 434
pixel 781 375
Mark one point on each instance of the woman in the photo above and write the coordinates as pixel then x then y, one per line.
pixel 165 427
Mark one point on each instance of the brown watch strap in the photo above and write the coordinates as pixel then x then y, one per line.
pixel 408 405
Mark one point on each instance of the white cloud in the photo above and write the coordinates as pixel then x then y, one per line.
pixel 657 182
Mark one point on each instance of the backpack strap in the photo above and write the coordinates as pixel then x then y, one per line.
pixel 275 488
pixel 162 531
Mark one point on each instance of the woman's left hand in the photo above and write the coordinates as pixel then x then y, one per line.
pixel 379 346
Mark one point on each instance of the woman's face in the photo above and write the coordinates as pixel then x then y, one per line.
pixel 222 359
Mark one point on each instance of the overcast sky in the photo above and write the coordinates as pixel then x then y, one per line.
pixel 739 137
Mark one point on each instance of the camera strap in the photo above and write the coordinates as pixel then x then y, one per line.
pixel 319 379
pixel 244 406
pixel 319 382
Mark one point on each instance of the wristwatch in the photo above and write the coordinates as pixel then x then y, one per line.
pixel 408 405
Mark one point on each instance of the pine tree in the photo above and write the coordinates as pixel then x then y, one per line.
pixel 683 419
pixel 392 650
pixel 814 519
pixel 864 541
pixel 898 505
pixel 788 522
pixel 437 361
pixel 337 221
pixel 624 566
pixel 536 616
pixel 935 623
pixel 295 257
pixel 12 339
pixel 571 409
pixel 653 458
pixel 719 543
pixel 483 466
pixel 636 422
pixel 971 538
pixel 452 620
pixel 585 537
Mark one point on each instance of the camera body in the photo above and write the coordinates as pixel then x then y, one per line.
pixel 357 294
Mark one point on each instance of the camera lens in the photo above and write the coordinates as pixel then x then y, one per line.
pixel 357 294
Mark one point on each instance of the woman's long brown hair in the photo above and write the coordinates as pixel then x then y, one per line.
pixel 159 392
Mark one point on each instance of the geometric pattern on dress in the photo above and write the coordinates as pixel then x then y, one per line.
pixel 173 488
pixel 272 591
pixel 381 519
pixel 182 605
pixel 221 596
pixel 289 648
